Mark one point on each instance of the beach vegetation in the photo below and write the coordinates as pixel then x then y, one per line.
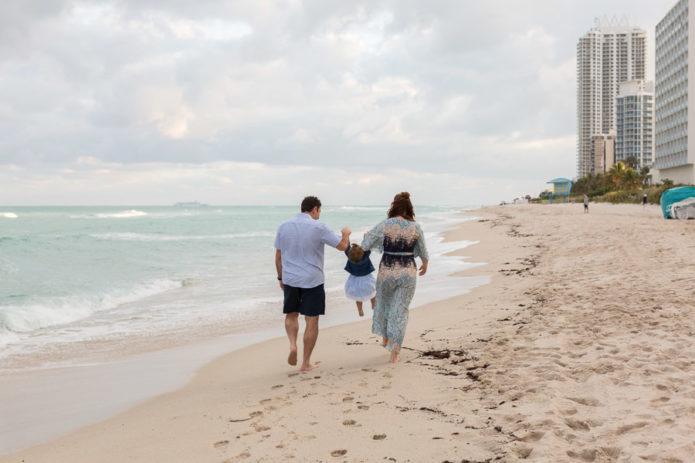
pixel 623 183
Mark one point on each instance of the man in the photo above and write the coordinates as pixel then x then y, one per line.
pixel 586 204
pixel 299 247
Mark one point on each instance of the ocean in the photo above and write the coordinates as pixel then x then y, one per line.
pixel 81 283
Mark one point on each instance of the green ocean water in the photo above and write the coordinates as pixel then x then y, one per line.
pixel 71 274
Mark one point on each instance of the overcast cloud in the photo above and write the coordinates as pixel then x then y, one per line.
pixel 259 102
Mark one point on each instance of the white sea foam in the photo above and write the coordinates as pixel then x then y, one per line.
pixel 216 291
pixel 127 236
pixel 61 311
pixel 122 215
pixel 8 215
pixel 361 208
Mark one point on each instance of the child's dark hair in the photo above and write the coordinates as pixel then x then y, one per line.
pixel 355 253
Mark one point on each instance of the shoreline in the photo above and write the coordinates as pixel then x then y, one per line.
pixel 73 393
pixel 579 349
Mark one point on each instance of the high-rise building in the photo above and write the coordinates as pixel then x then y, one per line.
pixel 634 122
pixel 610 53
pixel 603 152
pixel 675 94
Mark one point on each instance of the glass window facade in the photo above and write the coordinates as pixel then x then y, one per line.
pixel 671 106
pixel 635 124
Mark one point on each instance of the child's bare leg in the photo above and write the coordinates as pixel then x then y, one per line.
pixel 373 302
pixel 359 308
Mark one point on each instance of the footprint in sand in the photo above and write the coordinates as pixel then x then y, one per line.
pixel 277 386
pixel 533 436
pixel 363 407
pixel 348 399
pixel 338 453
pixel 577 425
pixel 349 422
pixel 589 402
pixel 379 436
pixel 630 427
pixel 221 443
pixel 585 455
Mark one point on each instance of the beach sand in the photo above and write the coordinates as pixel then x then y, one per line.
pixel 581 348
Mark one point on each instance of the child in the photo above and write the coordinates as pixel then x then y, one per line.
pixel 361 284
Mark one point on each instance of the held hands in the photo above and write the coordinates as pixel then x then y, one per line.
pixel 346 231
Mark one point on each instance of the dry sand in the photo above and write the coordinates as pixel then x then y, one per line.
pixel 580 349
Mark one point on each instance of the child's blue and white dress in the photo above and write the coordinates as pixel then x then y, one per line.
pixel 361 284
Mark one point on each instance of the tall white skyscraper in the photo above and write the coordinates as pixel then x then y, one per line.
pixel 634 119
pixel 675 94
pixel 610 53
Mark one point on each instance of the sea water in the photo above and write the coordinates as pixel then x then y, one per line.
pixel 75 275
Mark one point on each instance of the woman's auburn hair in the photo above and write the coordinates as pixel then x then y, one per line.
pixel 401 206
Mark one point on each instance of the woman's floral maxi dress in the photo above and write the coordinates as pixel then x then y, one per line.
pixel 401 241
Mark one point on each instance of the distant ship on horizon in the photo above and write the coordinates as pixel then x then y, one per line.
pixel 190 204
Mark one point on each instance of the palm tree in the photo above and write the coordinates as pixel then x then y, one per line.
pixel 616 175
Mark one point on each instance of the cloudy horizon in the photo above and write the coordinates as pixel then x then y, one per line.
pixel 245 102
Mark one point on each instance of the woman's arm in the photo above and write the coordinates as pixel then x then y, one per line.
pixel 421 247
pixel 374 238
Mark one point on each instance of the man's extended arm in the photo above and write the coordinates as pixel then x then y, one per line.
pixel 278 267
pixel 345 241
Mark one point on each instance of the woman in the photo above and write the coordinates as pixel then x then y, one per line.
pixel 401 240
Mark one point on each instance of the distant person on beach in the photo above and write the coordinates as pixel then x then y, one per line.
pixel 361 284
pixel 401 240
pixel 586 204
pixel 644 200
pixel 299 247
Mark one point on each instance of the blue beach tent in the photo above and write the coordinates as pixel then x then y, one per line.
pixel 675 195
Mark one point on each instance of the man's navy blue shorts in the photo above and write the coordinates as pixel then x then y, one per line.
pixel 307 301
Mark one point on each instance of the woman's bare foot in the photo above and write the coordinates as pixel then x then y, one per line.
pixel 292 358
pixel 394 356
pixel 384 341
pixel 308 367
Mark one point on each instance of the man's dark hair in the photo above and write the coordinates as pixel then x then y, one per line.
pixel 309 203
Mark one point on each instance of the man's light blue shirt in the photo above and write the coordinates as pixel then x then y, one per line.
pixel 301 241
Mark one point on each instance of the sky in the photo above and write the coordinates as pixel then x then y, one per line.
pixel 152 102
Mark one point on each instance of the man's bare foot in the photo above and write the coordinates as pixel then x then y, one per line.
pixel 292 359
pixel 384 341
pixel 361 312
pixel 308 367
